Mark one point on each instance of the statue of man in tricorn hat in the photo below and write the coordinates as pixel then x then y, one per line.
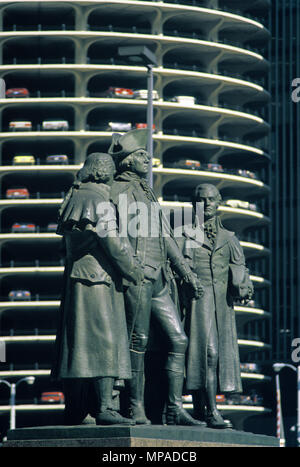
pixel 150 298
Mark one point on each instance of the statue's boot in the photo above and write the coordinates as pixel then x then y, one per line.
pixel 176 415
pixel 199 404
pixel 213 417
pixel 135 386
pixel 105 414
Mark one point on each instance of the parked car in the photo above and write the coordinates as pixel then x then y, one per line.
pixel 185 100
pixel 143 94
pixel 119 92
pixel 62 125
pixel 17 92
pixel 250 367
pixel 17 193
pixel 60 159
pixel 118 126
pixel 19 295
pixel 23 160
pixel 23 227
pixel 140 126
pixel 52 397
pixel 18 125
pixel 51 227
pixel 156 162
pixel 236 203
pixel 187 164
pixel 220 399
pixel 213 167
pixel 246 173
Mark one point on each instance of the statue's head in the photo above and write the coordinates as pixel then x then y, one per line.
pixel 98 167
pixel 129 152
pixel 210 196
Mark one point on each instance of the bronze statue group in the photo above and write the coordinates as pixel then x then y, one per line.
pixel 122 292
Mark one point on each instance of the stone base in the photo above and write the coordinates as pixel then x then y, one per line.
pixel 134 436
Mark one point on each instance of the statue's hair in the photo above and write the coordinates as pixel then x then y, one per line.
pixel 125 163
pixel 204 186
pixel 97 167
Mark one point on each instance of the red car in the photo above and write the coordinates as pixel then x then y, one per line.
pixel 17 92
pixel 17 193
pixel 19 295
pixel 23 228
pixel 119 92
pixel 187 164
pixel 140 126
pixel 52 397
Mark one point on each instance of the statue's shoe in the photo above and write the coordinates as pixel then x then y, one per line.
pixel 137 413
pixel 215 420
pixel 179 416
pixel 111 417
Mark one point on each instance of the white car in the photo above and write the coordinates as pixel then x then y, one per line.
pixel 185 100
pixel 20 126
pixel 237 203
pixel 246 173
pixel 143 94
pixel 55 125
pixel 118 126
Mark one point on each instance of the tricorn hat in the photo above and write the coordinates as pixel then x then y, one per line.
pixel 123 145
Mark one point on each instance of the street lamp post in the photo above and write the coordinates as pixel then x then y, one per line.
pixel 143 55
pixel 277 367
pixel 12 398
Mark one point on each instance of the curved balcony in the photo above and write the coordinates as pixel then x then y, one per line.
pixel 246 314
pixel 253 250
pixel 213 147
pixel 29 305
pixel 189 179
pixel 189 15
pixel 248 345
pixel 219 117
pixel 170 47
pixel 197 82
pixel 236 219
pixel 31 271
pixel 32 408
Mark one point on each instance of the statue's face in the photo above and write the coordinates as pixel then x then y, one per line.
pixel 211 200
pixel 140 162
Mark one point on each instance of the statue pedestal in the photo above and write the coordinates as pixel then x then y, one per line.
pixel 134 436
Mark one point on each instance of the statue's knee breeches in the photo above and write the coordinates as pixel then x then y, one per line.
pixel 212 356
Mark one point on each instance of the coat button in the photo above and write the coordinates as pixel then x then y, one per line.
pixel 92 275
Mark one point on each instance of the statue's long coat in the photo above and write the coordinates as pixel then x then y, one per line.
pixel 92 335
pixel 224 276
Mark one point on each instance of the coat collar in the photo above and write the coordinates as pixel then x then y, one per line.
pixel 223 236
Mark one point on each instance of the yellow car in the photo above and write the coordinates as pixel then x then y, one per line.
pixel 156 162
pixel 23 160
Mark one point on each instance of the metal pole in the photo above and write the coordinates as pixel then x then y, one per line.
pixel 150 120
pixel 279 421
pixel 298 405
pixel 12 403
